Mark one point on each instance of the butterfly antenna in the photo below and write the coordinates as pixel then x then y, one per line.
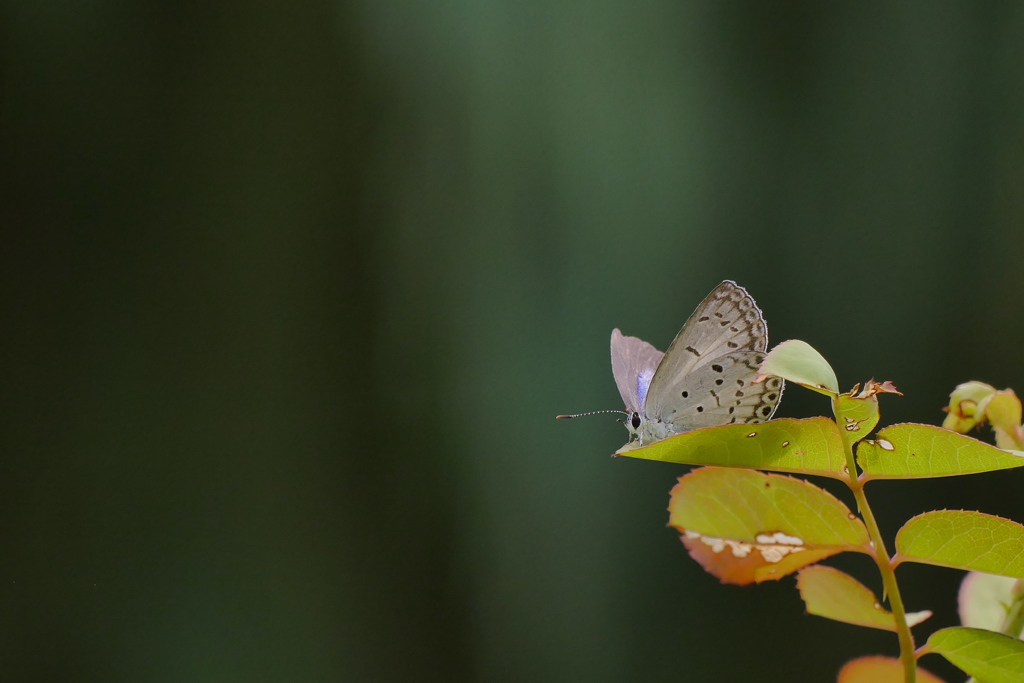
pixel 595 412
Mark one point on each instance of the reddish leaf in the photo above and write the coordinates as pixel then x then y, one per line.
pixel 745 526
pixel 745 563
pixel 878 669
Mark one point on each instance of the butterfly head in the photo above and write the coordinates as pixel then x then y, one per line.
pixel 633 421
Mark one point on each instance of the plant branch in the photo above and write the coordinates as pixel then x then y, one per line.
pixel 892 590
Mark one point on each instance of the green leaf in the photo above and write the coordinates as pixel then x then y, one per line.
pixel 797 361
pixel 856 417
pixel 963 540
pixel 744 526
pixel 833 594
pixel 808 446
pixel 989 657
pixel 912 451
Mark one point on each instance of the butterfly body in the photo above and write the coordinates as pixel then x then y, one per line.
pixel 705 378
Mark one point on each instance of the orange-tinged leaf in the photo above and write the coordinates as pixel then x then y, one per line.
pixel 745 526
pixel 745 563
pixel 871 387
pixel 830 593
pixel 878 669
pixel 885 387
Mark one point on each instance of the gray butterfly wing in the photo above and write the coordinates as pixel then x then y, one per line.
pixel 721 344
pixel 719 393
pixel 634 362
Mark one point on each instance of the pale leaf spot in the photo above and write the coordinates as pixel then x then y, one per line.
pixel 717 545
pixel 775 553
pixel 779 537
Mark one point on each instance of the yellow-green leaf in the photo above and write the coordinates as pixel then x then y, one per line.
pixel 797 361
pixel 745 526
pixel 856 417
pixel 963 540
pixel 1004 414
pixel 809 446
pixel 989 657
pixel 830 593
pixel 879 669
pixel 1004 410
pixel 910 451
pixel 967 406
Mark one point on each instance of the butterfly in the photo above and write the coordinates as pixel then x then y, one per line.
pixel 705 379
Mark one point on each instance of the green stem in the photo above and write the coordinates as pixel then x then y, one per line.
pixel 1013 624
pixel 892 589
pixel 885 567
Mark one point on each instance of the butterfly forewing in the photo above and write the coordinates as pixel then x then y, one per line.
pixel 634 362
pixel 706 376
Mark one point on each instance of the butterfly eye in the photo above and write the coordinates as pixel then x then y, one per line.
pixel 635 420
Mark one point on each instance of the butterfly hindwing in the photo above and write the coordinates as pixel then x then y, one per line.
pixel 720 392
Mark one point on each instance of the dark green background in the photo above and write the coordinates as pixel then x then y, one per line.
pixel 291 292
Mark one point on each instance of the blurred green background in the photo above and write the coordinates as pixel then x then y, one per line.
pixel 291 293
